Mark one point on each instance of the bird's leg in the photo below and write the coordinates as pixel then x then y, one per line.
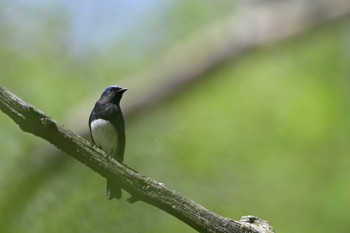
pixel 109 155
pixel 96 145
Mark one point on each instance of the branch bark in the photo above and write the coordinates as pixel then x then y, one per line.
pixel 215 45
pixel 140 187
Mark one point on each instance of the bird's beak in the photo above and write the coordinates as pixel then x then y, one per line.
pixel 123 90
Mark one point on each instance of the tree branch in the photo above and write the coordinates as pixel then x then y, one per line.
pixel 142 188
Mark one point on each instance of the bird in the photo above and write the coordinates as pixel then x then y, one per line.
pixel 107 130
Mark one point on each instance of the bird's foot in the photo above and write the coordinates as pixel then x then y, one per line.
pixel 109 155
pixel 95 146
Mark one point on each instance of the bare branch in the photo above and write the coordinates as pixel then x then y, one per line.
pixel 142 188
pixel 214 45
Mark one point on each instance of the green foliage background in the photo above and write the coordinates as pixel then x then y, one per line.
pixel 265 135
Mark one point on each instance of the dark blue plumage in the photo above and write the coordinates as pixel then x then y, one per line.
pixel 107 130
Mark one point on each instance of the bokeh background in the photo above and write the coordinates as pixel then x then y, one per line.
pixel 261 131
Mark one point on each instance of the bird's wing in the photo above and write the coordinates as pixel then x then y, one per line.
pixel 91 118
pixel 114 115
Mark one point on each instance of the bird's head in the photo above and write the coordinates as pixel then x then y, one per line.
pixel 113 94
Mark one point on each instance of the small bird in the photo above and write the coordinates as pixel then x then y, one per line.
pixel 107 130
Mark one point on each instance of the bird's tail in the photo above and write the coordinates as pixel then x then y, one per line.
pixel 113 189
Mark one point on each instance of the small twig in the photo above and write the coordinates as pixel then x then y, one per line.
pixel 142 188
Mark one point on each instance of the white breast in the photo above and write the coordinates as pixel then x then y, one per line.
pixel 105 136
